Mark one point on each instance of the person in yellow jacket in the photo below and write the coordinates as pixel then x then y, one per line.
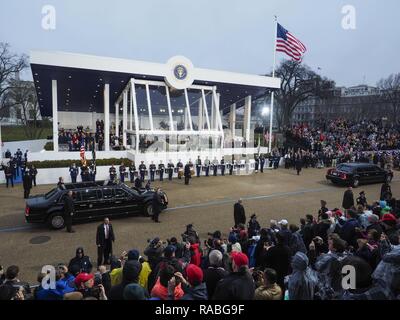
pixel 116 274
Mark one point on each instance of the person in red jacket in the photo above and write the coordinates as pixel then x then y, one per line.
pixel 195 252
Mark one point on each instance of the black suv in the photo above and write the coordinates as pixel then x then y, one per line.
pixel 92 200
pixel 354 174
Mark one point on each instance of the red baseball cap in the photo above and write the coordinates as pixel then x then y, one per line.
pixel 240 259
pixel 194 274
pixel 388 217
pixel 82 278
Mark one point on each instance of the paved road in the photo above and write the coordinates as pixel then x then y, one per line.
pixel 207 203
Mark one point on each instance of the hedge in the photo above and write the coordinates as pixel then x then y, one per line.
pixel 49 146
pixel 67 163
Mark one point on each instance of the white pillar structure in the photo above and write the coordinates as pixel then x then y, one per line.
pixel 124 117
pixel 188 110
pixel 117 119
pixel 55 113
pixel 106 95
pixel 232 120
pixel 130 108
pixel 205 109
pixel 135 112
pixel 200 116
pixel 247 118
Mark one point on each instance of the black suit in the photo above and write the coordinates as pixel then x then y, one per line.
pixel 69 211
pixel 104 246
pixel 239 214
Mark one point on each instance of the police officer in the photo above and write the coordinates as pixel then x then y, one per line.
pixel 142 170
pixel 262 162
pixel 92 171
pixel 161 168
pixel 73 171
pixel 222 166
pixel 132 169
pixel 23 168
pixel 152 168
pixel 179 165
pixel 33 173
pixel 198 166
pixel 215 166
pixel 122 170
pixel 170 170
pixel 207 165
pixel 113 173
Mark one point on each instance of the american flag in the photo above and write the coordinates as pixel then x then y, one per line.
pixel 289 44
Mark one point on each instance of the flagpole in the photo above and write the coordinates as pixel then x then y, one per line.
pixel 271 112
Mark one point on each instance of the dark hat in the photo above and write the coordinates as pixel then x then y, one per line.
pixel 133 255
pixel 131 270
pixel 362 192
pixel 169 250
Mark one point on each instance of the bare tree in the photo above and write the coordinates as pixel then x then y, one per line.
pixel 10 65
pixel 390 93
pixel 298 84
pixel 23 95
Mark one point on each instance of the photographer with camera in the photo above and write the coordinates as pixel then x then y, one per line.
pixel 90 287
pixel 19 290
pixel 154 251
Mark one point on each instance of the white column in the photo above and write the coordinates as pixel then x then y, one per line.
pixel 55 113
pixel 149 107
pixel 188 110
pixel 213 114
pixel 247 118
pixel 171 121
pixel 124 117
pixel 232 119
pixel 106 96
pixel 135 113
pixel 117 119
pixel 205 109
pixel 131 110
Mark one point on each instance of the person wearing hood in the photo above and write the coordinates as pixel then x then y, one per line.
pixel 348 232
pixel 302 281
pixel 195 252
pixel 386 191
pixel 389 224
pixel 296 242
pixel 267 288
pixel 348 199
pixel 130 274
pixel 80 261
pixel 195 288
pixel 239 284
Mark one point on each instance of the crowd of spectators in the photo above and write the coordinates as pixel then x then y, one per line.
pixel 282 261
pixel 75 139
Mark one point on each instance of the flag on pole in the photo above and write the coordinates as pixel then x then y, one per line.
pixel 289 44
pixel 82 154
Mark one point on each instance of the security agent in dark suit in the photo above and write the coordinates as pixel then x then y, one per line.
pixel 222 167
pixel 104 239
pixel 262 162
pixel 27 182
pixel 198 166
pixel 142 170
pixel 156 204
pixel 69 211
pixel 161 168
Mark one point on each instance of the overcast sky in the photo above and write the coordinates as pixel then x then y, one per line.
pixel 232 35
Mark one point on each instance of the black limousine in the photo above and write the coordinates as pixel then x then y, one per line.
pixel 354 174
pixel 92 201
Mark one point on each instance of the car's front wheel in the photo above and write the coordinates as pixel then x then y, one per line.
pixel 148 209
pixel 56 221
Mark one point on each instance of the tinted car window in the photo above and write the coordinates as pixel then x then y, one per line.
pixel 119 193
pixel 108 193
pixel 345 168
pixel 89 195
pixel 51 193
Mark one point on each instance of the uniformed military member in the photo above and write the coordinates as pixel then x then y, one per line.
pixel 207 166
pixel 33 173
pixel 215 166
pixel 132 169
pixel 187 173
pixel 23 168
pixel 262 162
pixel 73 172
pixel 85 174
pixel 179 165
pixel 170 170
pixel 152 168
pixel 142 170
pixel 14 166
pixel 256 163
pixel 222 167
pixel 92 171
pixel 229 166
pixel 122 170
pixel 161 168
pixel 198 166
pixel 113 173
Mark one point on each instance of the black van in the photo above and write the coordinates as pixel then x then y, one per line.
pixel 92 200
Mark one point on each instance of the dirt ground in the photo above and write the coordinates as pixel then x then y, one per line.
pixel 207 203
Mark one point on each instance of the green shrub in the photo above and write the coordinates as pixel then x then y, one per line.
pixel 49 146
pixel 67 163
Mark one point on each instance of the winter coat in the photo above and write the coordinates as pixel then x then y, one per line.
pixel 236 286
pixel 273 292
pixel 212 275
pixel 196 293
